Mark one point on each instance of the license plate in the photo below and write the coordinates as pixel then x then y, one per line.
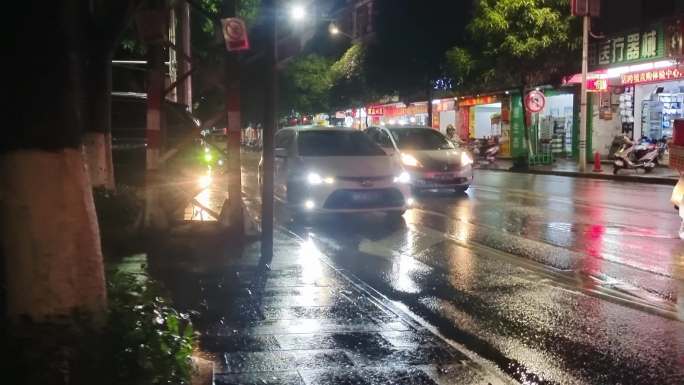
pixel 444 176
pixel 365 196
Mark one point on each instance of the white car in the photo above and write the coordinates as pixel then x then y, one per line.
pixel 322 170
pixel 432 160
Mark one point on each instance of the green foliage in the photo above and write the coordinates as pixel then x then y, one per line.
pixel 350 65
pixel 116 209
pixel 306 83
pixel 461 63
pixel 516 43
pixel 349 78
pixel 151 343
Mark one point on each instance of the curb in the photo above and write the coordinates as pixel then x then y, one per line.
pixel 600 176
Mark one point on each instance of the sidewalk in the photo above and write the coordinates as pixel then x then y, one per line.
pixel 297 320
pixel 563 167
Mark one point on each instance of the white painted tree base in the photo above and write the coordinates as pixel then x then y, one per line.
pixel 98 155
pixel 51 238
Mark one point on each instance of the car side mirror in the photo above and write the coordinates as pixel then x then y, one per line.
pixel 280 153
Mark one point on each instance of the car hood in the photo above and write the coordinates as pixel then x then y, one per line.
pixel 350 166
pixel 437 159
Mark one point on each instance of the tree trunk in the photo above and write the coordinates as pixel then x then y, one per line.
pixel 51 236
pixel 155 217
pixel 526 126
pixel 53 262
pixel 98 139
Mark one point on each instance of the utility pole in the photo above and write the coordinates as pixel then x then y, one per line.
pixel 269 126
pixel 184 66
pixel 583 95
pixel 584 9
pixel 233 162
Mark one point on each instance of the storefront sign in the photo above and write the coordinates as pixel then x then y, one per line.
pixel 628 48
pixel 478 100
pixel 656 75
pixel 376 111
pixel 597 85
pixel 444 105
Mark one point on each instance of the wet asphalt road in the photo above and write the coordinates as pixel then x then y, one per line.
pixel 552 279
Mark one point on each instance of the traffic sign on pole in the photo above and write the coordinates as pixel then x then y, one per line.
pixel 585 8
pixel 235 34
pixel 535 101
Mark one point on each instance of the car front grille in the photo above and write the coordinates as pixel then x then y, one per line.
pixel 361 179
pixel 431 181
pixel 442 167
pixel 364 199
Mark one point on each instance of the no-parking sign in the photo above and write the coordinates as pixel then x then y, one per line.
pixel 535 101
pixel 235 34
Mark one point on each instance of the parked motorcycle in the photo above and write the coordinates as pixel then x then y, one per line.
pixel 485 151
pixel 633 156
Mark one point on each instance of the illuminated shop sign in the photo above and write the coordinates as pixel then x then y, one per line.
pixel 597 85
pixel 656 75
pixel 477 101
pixel 628 48
pixel 376 111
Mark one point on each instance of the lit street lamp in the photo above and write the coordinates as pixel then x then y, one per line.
pixel 335 30
pixel 297 12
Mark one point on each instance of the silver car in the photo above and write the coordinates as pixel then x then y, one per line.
pixel 431 159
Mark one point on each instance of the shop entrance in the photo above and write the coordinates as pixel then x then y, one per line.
pixel 485 121
pixel 656 107
pixel 555 125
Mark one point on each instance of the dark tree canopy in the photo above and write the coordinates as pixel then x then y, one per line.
pixel 411 37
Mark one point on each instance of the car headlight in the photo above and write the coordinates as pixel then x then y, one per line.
pixel 465 159
pixel 404 177
pixel 410 160
pixel 316 179
pixel 204 181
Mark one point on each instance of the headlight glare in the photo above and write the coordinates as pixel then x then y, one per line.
pixel 314 178
pixel 409 160
pixel 466 160
pixel 404 178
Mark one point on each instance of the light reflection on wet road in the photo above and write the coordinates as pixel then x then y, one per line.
pixel 568 280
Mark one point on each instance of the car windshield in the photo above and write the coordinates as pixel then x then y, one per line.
pixel 337 143
pixel 420 139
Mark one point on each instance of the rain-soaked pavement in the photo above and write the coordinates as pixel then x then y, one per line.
pixel 542 279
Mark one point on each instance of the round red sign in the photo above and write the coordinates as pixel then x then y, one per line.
pixel 535 101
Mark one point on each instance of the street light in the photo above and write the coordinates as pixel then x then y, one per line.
pixel 335 30
pixel 297 12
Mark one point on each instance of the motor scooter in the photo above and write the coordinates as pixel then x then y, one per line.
pixel 636 156
pixel 485 151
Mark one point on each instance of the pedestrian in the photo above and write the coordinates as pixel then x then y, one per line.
pixel 250 136
pixel 451 135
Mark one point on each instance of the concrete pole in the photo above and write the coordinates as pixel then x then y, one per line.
pixel 173 56
pixel 185 87
pixel 234 133
pixel 269 127
pixel 154 217
pixel 583 96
